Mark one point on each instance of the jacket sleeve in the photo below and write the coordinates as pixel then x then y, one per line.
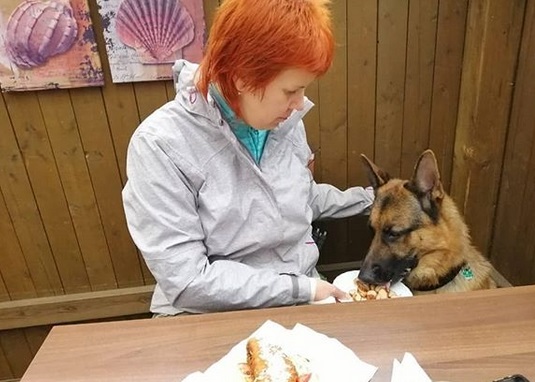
pixel 327 201
pixel 160 203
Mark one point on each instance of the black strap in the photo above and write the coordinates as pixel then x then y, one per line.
pixel 443 280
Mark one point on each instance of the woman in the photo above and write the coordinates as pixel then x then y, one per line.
pixel 219 198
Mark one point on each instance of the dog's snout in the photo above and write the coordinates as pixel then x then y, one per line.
pixel 374 274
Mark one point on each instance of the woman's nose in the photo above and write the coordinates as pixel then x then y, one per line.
pixel 298 103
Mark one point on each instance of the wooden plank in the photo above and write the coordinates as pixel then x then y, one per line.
pixel 13 268
pixel 170 90
pixel 70 160
pixel 75 307
pixel 106 184
pixel 35 336
pixel 149 97
pixel 121 110
pixel 209 7
pixel 361 81
pixel 5 371
pixel 24 214
pixel 119 99
pixel 4 295
pixel 391 60
pixel 333 106
pixel 421 40
pixel 491 53
pixel 16 350
pixel 451 30
pixel 333 133
pixel 512 241
pixel 32 138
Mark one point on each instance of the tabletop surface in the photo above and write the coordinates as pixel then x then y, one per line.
pixel 463 337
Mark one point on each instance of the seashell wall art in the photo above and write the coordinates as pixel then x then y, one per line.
pixel 145 37
pixel 47 45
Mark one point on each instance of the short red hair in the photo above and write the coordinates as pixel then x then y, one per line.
pixel 254 40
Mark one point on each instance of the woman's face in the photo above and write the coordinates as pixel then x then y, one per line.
pixel 265 110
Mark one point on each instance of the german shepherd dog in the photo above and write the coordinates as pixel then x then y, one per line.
pixel 420 236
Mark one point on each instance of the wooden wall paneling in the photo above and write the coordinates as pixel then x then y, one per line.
pixel 13 268
pixel 71 163
pixel 512 241
pixel 121 111
pixel 333 106
pixel 490 60
pixel 75 307
pixel 361 97
pixel 24 215
pixel 391 62
pixel 523 250
pixel 35 336
pixel 170 90
pixel 16 350
pixel 209 7
pixel 149 97
pixel 119 99
pixel 123 118
pixel 32 138
pixel 5 371
pixel 361 82
pixel 4 295
pixel 421 43
pixel 105 176
pixel 333 131
pixel 451 29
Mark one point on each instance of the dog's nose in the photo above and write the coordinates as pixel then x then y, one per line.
pixel 369 273
pixel 374 274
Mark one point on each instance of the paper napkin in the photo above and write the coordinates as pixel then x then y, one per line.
pixel 408 370
pixel 330 360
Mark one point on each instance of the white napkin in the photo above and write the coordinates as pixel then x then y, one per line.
pixel 330 360
pixel 408 370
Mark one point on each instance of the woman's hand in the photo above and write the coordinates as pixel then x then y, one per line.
pixel 325 290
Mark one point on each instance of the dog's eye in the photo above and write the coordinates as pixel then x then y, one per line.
pixel 391 235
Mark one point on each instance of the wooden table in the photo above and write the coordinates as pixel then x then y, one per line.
pixel 465 337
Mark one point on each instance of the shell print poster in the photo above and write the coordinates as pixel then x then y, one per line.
pixel 47 45
pixel 145 37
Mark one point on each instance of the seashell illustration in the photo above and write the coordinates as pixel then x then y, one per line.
pixel 156 29
pixel 38 30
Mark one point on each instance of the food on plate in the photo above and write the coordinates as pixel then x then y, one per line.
pixel 267 362
pixel 365 291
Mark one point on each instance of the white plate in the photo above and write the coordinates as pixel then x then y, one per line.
pixel 345 282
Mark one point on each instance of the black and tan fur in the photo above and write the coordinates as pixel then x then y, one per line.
pixel 419 235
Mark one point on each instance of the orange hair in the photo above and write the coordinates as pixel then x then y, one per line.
pixel 254 40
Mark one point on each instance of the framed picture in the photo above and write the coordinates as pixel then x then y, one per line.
pixel 47 45
pixel 145 37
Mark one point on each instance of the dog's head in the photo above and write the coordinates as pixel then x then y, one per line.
pixel 404 218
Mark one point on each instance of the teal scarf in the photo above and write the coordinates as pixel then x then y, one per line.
pixel 254 140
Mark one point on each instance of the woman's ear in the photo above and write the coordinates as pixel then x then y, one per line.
pixel 240 85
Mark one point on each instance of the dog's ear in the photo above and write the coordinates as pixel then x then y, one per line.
pixel 426 177
pixel 376 175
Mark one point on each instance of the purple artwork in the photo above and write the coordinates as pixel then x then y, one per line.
pixel 37 31
pixel 145 37
pixel 156 29
pixel 47 45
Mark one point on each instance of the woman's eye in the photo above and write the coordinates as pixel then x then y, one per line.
pixel 291 92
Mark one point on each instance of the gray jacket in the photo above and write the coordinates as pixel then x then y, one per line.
pixel 217 231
